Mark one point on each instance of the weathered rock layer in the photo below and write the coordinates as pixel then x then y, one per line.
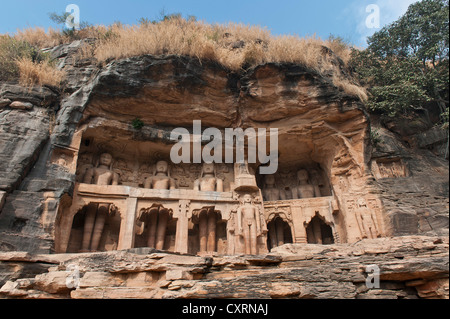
pixel 410 268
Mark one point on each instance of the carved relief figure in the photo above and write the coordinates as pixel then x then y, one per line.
pixel 249 224
pixel 125 174
pixel 96 214
pixel 397 169
pixel 156 218
pixel 144 172
pixel 180 176
pixel 384 170
pixel 161 178
pixel 367 220
pixel 304 188
pixel 84 164
pixel 208 182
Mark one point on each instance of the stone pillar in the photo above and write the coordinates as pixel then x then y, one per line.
pixel 181 237
pixel 127 225
pixel 298 222
pixel 2 199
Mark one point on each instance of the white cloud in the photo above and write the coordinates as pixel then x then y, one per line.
pixel 390 11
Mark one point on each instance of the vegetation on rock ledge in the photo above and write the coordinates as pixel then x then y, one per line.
pixel 235 46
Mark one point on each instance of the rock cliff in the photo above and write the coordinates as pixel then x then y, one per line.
pixel 43 132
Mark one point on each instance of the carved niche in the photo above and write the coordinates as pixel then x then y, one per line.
pixel 389 168
pixel 95 227
pixel 247 225
pixel 295 183
pixel 366 214
pixel 279 224
pixel 156 228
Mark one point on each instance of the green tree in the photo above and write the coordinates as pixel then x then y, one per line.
pixel 406 63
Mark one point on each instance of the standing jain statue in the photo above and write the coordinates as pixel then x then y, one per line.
pixel 97 213
pixel 249 224
pixel 207 218
pixel 157 217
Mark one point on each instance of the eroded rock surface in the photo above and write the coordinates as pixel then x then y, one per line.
pixel 410 268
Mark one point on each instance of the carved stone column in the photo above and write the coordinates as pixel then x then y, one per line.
pixel 181 237
pixel 298 221
pixel 127 226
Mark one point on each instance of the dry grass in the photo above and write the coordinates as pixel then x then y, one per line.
pixel 235 46
pixel 350 88
pixel 39 37
pixel 43 73
pixel 52 37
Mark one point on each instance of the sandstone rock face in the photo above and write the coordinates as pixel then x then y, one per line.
pixel 410 268
pixel 128 108
pixel 413 185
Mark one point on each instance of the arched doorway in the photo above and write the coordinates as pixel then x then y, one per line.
pixel 319 232
pixel 279 233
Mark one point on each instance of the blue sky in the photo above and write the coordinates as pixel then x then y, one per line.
pixel 345 18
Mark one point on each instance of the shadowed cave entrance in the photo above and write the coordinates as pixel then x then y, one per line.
pixel 279 233
pixel 157 228
pixel 318 232
pixel 109 236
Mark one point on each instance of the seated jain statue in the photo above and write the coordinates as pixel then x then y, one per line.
pixel 249 224
pixel 97 213
pixel 208 182
pixel 161 178
pixel 304 189
pixel 270 191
